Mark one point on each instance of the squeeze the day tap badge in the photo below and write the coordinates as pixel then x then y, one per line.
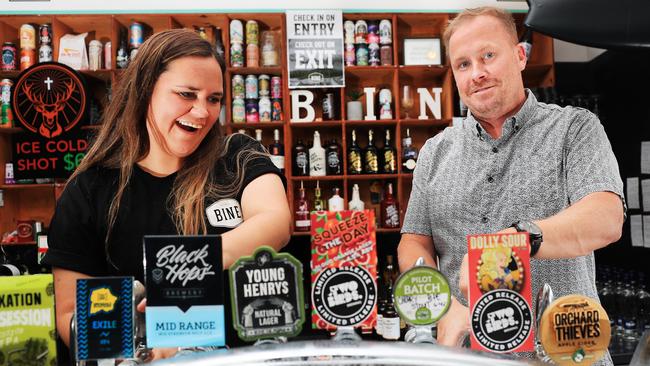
pixel 343 269
pixel 500 292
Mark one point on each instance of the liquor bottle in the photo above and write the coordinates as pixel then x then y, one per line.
pixel 319 203
pixel 277 151
pixel 317 158
pixel 300 159
pixel 122 58
pixel 301 216
pixel 335 202
pixel 390 318
pixel 218 44
pixel 409 154
pixel 527 42
pixel 370 156
pixel 389 153
pixel 381 304
pixel 333 158
pixel 356 204
pixel 355 165
pixel 390 271
pixel 258 135
pixel 389 209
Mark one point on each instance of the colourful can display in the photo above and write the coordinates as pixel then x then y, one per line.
pixel 27 36
pixel 360 31
pixel 385 32
pixel 236 31
pixel 252 111
pixel 238 110
pixel 264 85
pixel 373 32
pixel 45 33
pixel 373 54
pixel 276 110
pixel 362 54
pixel 238 88
pixel 350 55
pixel 251 87
pixel 27 58
pixel 252 32
pixel 386 55
pixel 276 87
pixel 265 109
pixel 95 48
pixel 136 35
pixel 45 53
pixel 108 55
pixel 9 57
pixel 6 115
pixel 252 55
pixel 236 55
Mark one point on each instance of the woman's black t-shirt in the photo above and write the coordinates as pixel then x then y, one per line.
pixel 78 228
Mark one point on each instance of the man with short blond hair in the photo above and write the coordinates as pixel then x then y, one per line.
pixel 514 164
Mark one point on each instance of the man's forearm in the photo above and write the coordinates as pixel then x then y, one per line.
pixel 589 224
pixel 411 247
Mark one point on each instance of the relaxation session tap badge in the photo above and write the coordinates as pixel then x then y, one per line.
pixel 185 297
pixel 574 330
pixel 267 296
pixel 104 318
pixel 500 293
pixel 343 269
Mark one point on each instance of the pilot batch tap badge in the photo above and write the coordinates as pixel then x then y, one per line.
pixel 267 296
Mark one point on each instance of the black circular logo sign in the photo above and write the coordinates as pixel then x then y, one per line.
pixel 501 321
pixel 49 99
pixel 344 296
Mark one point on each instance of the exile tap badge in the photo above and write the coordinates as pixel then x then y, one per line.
pixel 574 330
pixel 104 318
pixel 345 296
pixel 422 295
pixel 49 99
pixel 267 297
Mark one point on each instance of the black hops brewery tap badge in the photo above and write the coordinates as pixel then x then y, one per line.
pixel 267 296
pixel 501 321
pixel 344 296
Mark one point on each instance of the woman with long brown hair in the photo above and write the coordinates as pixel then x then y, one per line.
pixel 161 165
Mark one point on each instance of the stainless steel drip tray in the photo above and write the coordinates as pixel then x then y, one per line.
pixel 325 352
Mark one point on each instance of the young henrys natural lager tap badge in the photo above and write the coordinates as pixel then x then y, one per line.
pixel 343 269
pixel 574 330
pixel 104 316
pixel 183 277
pixel 500 292
pixel 27 327
pixel 267 295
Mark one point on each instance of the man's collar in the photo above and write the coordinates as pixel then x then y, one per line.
pixel 517 121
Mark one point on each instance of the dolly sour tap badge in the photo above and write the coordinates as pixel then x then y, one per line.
pixel 49 100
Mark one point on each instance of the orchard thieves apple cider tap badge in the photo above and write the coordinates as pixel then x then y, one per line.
pixel 343 269
pixel 500 292
pixel 50 103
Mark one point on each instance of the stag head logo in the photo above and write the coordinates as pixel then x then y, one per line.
pixel 49 99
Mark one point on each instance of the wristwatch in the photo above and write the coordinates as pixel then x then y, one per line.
pixel 534 232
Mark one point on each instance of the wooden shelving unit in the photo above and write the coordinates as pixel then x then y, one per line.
pixel 37 201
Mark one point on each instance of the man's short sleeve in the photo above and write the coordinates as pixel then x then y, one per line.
pixel 417 219
pixel 590 162
pixel 72 238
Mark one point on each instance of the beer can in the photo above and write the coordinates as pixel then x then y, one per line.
pixel 238 88
pixel 252 32
pixel 386 55
pixel 95 48
pixel 108 55
pixel 236 31
pixel 360 31
pixel 6 116
pixel 362 54
pixel 385 32
pixel 9 57
pixel 9 173
pixel 350 54
pixel 5 87
pixel 27 36
pixel 252 55
pixel 45 53
pixel 329 112
pixel 276 110
pixel 276 87
pixel 45 33
pixel 373 54
pixel 265 109
pixel 238 110
pixel 251 87
pixel 236 55
pixel 252 111
pixel 264 85
pixel 373 32
pixel 136 35
pixel 27 58
pixel 348 27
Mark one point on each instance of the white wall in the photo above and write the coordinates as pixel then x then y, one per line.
pixel 569 52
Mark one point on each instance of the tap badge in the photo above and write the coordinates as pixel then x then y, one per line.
pixel 49 99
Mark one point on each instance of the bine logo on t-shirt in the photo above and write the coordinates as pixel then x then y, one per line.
pixel 225 213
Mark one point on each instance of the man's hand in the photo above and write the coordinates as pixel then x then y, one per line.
pixel 454 324
pixel 156 353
